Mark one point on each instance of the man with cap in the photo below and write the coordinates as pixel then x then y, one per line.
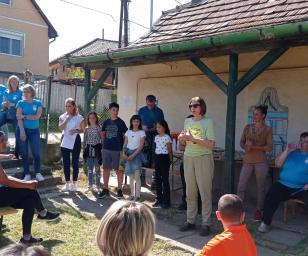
pixel 149 114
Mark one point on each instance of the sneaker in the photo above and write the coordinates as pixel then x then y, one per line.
pixel 73 187
pixel 120 193
pixel 104 193
pixel 156 203
pixel 32 240
pixel 187 226
pixel 258 215
pixel 263 228
pixel 66 187
pixel 39 177
pixel 27 177
pixel 50 216
pixel 205 230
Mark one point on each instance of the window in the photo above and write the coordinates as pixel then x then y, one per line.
pixel 7 2
pixel 11 42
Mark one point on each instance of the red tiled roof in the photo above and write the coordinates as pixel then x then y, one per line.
pixel 216 17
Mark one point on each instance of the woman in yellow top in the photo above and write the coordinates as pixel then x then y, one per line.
pixel 198 135
pixel 256 140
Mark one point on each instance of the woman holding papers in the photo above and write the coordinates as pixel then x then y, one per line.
pixel 71 123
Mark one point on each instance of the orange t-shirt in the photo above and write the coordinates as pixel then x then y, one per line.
pixel 236 240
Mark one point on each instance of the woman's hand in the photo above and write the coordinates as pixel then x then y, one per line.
pixel 6 104
pixel 248 146
pixel 130 158
pixel 33 184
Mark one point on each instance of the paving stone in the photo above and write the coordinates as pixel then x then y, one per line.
pixel 263 251
pixel 284 237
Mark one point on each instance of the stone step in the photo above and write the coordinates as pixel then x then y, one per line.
pixel 50 181
pixel 17 172
pixel 50 192
pixel 10 163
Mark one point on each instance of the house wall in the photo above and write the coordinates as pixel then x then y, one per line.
pixel 21 16
pixel 175 83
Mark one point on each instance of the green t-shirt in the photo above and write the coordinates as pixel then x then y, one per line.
pixel 202 129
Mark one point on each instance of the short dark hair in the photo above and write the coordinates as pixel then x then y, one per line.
pixel 202 104
pixel 114 105
pixel 304 135
pixel 230 207
pixel 262 109
pixel 150 98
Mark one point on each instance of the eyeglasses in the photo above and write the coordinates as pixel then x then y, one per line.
pixel 193 105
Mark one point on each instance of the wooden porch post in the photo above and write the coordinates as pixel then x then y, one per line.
pixel 230 125
pixel 87 87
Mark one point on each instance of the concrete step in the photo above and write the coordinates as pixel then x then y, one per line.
pixel 17 172
pixel 50 181
pixel 10 163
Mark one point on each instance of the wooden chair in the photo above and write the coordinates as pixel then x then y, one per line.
pixel 6 211
pixel 292 203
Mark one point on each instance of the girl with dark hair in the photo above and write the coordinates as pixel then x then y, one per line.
pixel 199 138
pixel 163 158
pixel 132 154
pixel 92 151
pixel 256 140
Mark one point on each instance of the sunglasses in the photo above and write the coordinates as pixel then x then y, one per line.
pixel 193 105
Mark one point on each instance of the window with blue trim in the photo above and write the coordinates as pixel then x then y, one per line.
pixel 11 42
pixel 8 2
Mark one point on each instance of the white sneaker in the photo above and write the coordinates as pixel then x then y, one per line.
pixel 27 177
pixel 263 228
pixel 73 187
pixel 39 177
pixel 66 187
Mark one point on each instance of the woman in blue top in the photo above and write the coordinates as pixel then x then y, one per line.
pixel 10 98
pixel 29 111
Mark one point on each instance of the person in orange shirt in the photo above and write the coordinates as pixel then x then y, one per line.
pixel 236 239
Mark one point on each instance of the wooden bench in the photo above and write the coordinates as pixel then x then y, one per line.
pixel 6 211
pixel 292 203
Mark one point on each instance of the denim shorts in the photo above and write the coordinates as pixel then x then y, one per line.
pixel 111 159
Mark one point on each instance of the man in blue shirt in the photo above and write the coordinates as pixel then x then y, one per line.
pixel 293 180
pixel 149 115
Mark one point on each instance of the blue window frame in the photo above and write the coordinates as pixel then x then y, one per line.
pixel 11 42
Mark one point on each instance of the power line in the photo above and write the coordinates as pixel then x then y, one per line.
pixel 178 2
pixel 91 9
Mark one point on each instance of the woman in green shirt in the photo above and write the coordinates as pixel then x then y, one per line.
pixel 198 135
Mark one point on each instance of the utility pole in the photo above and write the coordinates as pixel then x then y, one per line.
pixel 151 15
pixel 123 37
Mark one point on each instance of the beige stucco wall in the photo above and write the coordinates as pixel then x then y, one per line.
pixel 26 19
pixel 175 83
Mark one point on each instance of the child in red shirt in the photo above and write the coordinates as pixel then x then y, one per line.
pixel 236 239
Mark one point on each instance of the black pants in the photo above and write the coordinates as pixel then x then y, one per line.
pixel 66 155
pixel 26 199
pixel 162 164
pixel 279 193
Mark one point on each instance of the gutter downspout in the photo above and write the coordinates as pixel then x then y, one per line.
pixel 250 36
pixel 52 40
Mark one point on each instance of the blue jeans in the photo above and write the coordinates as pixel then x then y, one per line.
pixel 4 119
pixel 33 138
pixel 93 170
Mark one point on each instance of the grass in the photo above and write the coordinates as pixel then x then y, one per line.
pixel 74 233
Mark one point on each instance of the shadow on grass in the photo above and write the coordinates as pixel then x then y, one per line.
pixel 4 241
pixel 49 244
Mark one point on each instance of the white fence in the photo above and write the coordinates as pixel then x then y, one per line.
pixel 59 92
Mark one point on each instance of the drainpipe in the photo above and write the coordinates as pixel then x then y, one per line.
pixel 52 40
pixel 235 38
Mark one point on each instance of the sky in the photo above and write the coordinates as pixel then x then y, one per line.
pixel 77 26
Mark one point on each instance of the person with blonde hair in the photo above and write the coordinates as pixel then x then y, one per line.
pixel 10 97
pixel 20 249
pixel 29 111
pixel 72 125
pixel 126 229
